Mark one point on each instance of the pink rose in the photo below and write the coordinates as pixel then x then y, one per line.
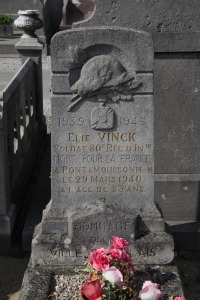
pixel 113 275
pixel 179 298
pixel 119 243
pixel 99 259
pixel 150 291
pixel 92 290
pixel 115 253
pixel 125 257
pixel 150 283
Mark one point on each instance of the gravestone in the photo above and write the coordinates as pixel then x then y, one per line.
pixel 102 149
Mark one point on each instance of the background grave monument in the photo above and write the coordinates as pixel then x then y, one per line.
pixel 102 149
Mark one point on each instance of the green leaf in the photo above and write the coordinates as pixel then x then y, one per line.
pixel 86 268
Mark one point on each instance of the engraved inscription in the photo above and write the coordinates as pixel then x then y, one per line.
pixel 136 121
pixel 109 162
pixel 71 121
pixel 69 253
pixel 126 225
pixel 103 147
pixel 101 161
pixel 146 250
pixel 103 170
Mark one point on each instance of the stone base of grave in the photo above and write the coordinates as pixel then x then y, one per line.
pixel 64 283
pixel 66 241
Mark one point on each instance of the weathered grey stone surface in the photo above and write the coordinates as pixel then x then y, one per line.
pixel 176 91
pixel 178 151
pixel 181 42
pixel 12 7
pixel 36 284
pixel 174 197
pixel 102 149
pixel 148 15
pixel 177 131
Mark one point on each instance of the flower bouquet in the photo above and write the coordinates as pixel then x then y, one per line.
pixel 111 277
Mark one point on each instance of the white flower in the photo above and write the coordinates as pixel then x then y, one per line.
pixel 150 291
pixel 113 275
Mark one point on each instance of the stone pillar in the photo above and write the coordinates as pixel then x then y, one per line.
pixel 30 47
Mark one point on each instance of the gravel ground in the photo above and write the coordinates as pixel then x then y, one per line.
pixel 12 64
pixel 12 268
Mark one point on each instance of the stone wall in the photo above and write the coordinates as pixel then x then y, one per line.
pixel 148 15
pixel 11 7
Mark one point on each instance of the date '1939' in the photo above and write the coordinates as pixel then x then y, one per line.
pixel 71 121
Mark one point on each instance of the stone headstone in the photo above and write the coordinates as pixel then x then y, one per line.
pixel 102 149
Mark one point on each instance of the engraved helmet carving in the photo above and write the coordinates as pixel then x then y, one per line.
pixel 103 74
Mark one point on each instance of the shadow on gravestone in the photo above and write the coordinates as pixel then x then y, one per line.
pixel 102 150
